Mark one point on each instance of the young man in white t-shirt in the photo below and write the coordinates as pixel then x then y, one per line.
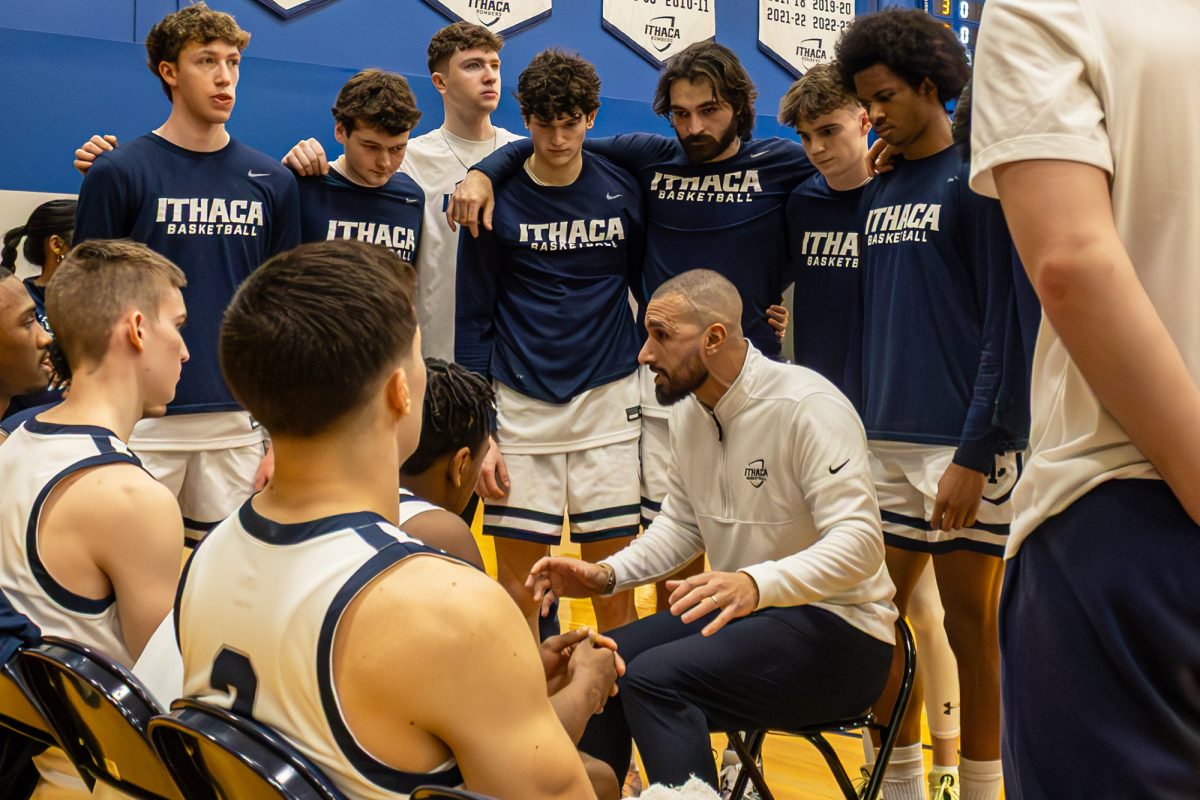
pixel 1099 621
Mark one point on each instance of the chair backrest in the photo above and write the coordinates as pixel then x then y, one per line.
pixel 442 793
pixel 99 712
pixel 890 732
pixel 215 754
pixel 17 711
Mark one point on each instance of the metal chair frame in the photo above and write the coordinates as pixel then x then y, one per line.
pixel 749 746
pixel 43 667
pixel 179 739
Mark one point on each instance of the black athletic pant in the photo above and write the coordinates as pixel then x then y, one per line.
pixel 779 667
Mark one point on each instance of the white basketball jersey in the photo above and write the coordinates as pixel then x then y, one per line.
pixel 35 459
pixel 258 607
pixel 411 505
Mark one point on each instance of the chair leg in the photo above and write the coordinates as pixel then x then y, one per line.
pixel 835 764
pixel 748 750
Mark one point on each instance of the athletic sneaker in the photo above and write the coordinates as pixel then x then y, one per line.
pixel 943 786
pixel 731 767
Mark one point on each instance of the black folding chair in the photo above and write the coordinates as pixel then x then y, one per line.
pixel 99 712
pixel 749 746
pixel 215 754
pixel 17 711
pixel 442 793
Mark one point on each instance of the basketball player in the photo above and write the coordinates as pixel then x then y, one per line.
pixel 824 229
pixel 361 196
pixel 712 194
pixel 438 479
pixel 944 404
pixel 770 476
pixel 23 341
pixel 377 656
pixel 45 240
pixel 543 311
pixel 464 65
pixel 90 541
pixel 216 208
pixel 1099 620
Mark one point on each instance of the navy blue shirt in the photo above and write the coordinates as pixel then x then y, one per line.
pixel 217 215
pixel 942 364
pixel 823 253
pixel 542 300
pixel 333 207
pixel 726 216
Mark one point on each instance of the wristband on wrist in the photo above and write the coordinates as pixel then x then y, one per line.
pixel 612 578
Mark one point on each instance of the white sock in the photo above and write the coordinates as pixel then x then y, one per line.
pixel 868 752
pixel 905 778
pixel 980 780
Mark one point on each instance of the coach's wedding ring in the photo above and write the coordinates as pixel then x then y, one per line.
pixel 716 602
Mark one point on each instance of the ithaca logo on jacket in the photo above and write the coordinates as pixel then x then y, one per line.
pixel 756 472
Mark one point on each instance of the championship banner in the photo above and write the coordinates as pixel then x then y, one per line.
pixel 800 34
pixel 291 8
pixel 658 29
pixel 499 16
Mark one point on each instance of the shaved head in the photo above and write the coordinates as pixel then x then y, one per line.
pixel 711 298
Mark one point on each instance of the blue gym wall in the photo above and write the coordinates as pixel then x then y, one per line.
pixel 70 68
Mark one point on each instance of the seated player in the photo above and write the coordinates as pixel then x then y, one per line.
pixel 23 342
pixel 543 311
pixel 377 656
pixel 770 476
pixel 824 228
pixel 102 562
pixel 438 479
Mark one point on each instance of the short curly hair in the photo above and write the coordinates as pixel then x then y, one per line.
pixel 718 65
pixel 377 99
pixel 556 84
pixel 459 36
pixel 818 92
pixel 911 44
pixel 195 23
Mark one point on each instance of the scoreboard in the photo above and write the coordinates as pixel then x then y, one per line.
pixel 962 16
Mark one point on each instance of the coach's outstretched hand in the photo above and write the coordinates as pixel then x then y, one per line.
pixel 87 152
pixel 735 593
pixel 472 199
pixel 307 158
pixel 566 577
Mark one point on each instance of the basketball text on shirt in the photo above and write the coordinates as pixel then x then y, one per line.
pixel 572 234
pixel 830 249
pixel 203 216
pixel 728 187
pixel 908 222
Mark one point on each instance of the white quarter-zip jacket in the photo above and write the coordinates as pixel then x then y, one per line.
pixel 774 482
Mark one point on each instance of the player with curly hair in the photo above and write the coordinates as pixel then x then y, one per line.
pixel 543 311
pixel 945 400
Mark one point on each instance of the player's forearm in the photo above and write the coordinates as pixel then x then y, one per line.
pixel 574 705
pixel 504 162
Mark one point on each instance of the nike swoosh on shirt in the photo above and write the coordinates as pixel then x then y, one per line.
pixel 410 200
pixel 838 468
pixel 608 196
pixel 760 153
pixel 254 174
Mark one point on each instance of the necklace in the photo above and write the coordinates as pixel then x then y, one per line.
pixel 457 157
